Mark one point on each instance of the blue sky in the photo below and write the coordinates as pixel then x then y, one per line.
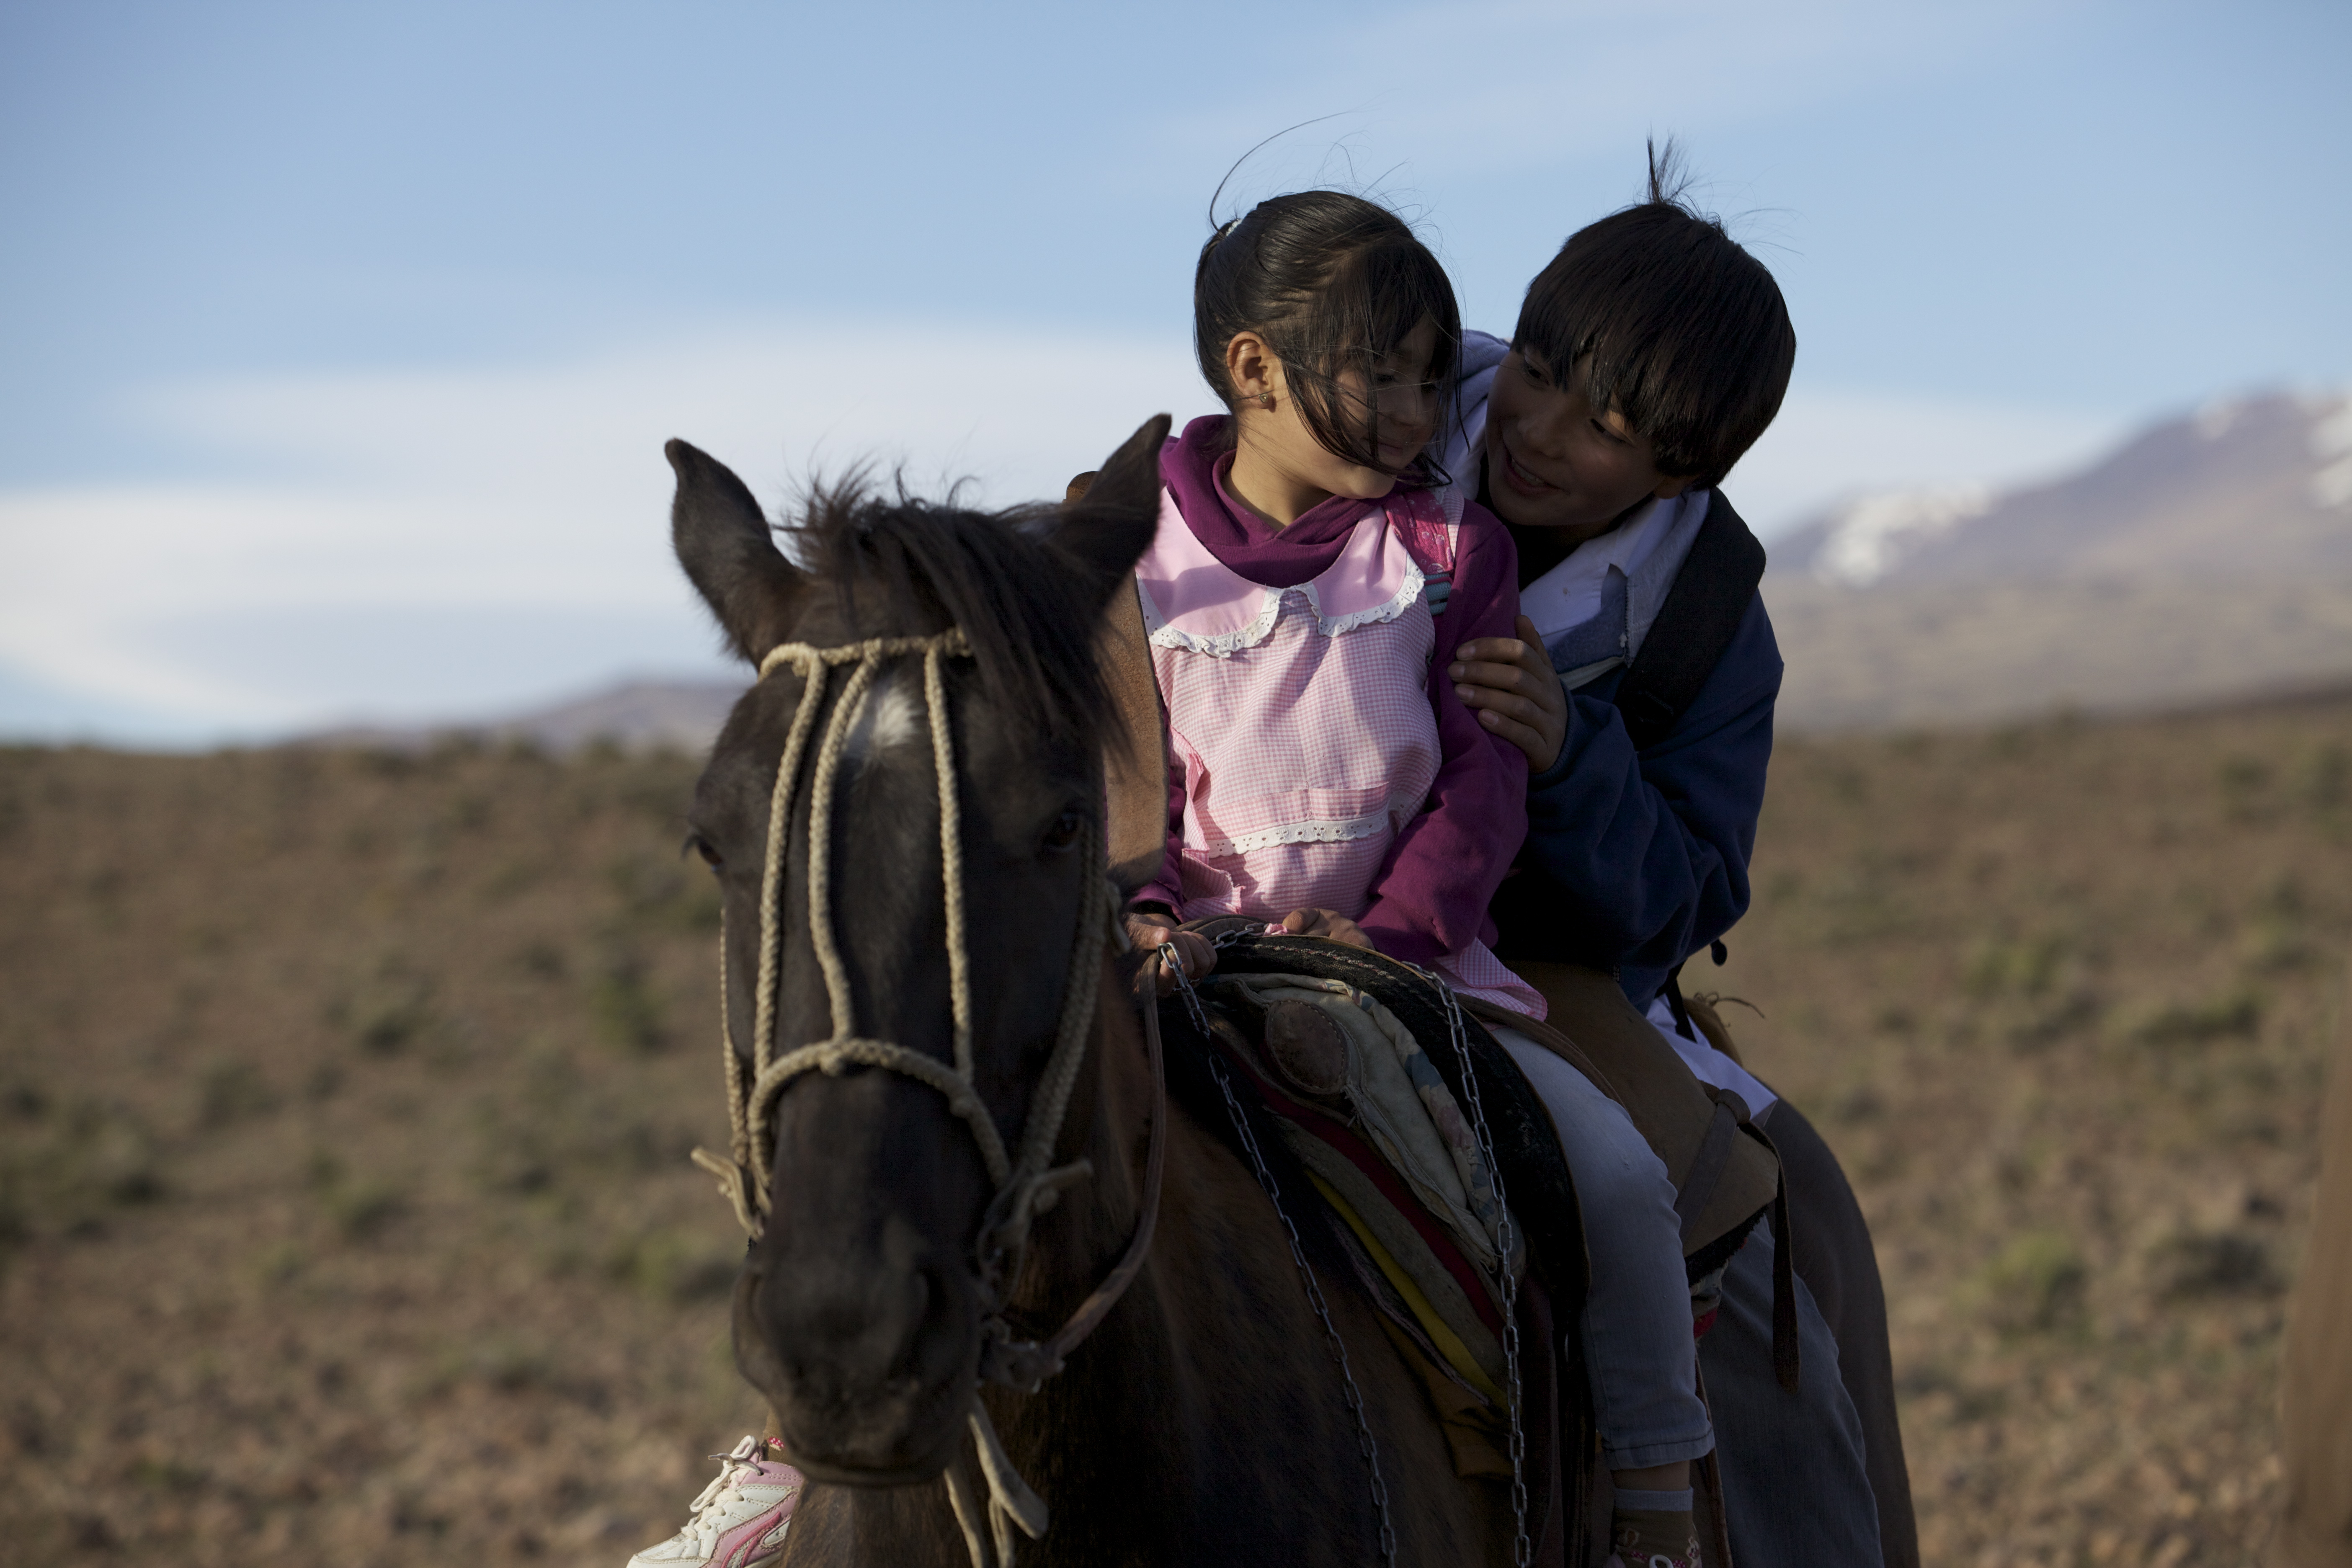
pixel 336 344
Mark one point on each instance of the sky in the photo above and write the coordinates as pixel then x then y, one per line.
pixel 338 343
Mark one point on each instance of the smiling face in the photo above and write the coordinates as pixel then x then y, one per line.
pixel 1555 461
pixel 1281 468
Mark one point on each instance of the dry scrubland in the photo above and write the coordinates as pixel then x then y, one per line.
pixel 344 1102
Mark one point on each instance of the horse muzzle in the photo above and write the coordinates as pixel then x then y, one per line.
pixel 868 1364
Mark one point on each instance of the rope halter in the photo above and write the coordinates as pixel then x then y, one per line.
pixel 1026 1186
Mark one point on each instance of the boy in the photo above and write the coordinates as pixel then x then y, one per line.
pixel 1650 354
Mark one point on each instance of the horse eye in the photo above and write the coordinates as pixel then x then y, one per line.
pixel 1065 831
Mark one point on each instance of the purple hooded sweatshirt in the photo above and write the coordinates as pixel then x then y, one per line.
pixel 1430 899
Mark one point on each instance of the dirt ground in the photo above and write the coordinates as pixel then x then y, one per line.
pixel 345 1097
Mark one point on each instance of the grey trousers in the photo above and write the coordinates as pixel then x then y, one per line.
pixel 1635 1325
pixel 1796 1490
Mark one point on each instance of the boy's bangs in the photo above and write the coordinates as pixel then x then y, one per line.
pixel 1616 363
pixel 1655 313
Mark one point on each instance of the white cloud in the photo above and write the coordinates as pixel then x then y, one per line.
pixel 395 501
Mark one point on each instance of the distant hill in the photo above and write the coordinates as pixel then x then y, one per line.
pixel 2209 557
pixel 641 716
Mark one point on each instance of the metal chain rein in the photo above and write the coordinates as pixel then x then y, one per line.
pixel 1506 1242
pixel 1366 1445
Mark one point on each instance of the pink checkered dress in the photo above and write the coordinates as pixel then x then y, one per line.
pixel 1301 719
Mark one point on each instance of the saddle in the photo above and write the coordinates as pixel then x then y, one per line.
pixel 1324 1126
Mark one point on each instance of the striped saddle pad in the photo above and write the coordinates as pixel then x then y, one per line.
pixel 1364 1077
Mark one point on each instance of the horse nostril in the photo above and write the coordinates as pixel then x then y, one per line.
pixel 930 1317
pixel 872 1323
pixel 921 1297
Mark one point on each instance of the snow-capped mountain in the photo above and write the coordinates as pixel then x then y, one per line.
pixel 2207 558
pixel 2253 486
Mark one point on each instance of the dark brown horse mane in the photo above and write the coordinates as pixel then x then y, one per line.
pixel 896 561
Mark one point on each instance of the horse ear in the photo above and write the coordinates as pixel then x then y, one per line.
pixel 1106 523
pixel 723 541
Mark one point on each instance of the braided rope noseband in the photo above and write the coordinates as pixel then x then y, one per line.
pixel 1026 1185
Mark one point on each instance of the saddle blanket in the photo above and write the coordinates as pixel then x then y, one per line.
pixel 1360 1106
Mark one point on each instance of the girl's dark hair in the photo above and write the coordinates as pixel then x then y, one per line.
pixel 1330 281
pixel 1662 317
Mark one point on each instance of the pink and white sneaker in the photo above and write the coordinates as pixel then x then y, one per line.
pixel 739 1521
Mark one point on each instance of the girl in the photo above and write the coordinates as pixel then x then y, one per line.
pixel 1326 776
pixel 1304 599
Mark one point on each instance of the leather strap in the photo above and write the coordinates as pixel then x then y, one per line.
pixel 1026 1366
pixel 1787 1358
pixel 1705 1171
pixel 1597 1031
pixel 1135 764
pixel 1700 616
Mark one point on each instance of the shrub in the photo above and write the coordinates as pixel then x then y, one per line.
pixel 2035 1284
pixel 231 1091
pixel 387 1009
pixel 2224 1263
pixel 361 1210
pixel 2233 1012
pixel 61 1175
pixel 628 1012
pixel 675 1265
pixel 2025 966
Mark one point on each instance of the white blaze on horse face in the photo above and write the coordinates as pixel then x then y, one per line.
pixel 893 717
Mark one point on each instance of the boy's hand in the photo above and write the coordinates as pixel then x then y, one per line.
pixel 1325 923
pixel 1193 953
pixel 1509 683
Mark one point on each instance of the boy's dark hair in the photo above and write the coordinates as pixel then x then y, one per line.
pixel 1663 318
pixel 1329 280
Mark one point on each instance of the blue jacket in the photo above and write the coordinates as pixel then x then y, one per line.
pixel 1636 861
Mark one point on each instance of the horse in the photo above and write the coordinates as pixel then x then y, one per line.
pixel 956 981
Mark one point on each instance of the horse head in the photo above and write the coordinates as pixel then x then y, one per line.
pixel 902 935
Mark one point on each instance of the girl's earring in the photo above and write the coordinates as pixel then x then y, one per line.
pixel 1265 401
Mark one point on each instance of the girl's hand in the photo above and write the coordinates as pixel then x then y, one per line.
pixel 1148 933
pixel 1325 923
pixel 1509 682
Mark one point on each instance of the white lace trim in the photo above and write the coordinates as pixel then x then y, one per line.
pixel 1217 644
pixel 1224 645
pixel 1343 831
pixel 1406 596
